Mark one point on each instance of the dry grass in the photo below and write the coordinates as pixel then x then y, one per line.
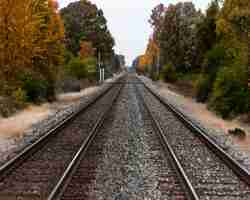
pixel 15 126
pixel 209 118
pixel 74 96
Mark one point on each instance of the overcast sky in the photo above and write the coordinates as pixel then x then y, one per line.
pixel 128 22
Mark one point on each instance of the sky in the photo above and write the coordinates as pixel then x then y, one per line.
pixel 128 22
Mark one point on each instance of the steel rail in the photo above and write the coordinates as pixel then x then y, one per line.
pixel 34 147
pixel 190 191
pixel 233 164
pixel 61 186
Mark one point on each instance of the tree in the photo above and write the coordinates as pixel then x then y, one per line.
pixel 86 50
pixel 53 41
pixel 31 39
pixel 234 25
pixel 175 33
pixel 156 20
pixel 20 26
pixel 85 22
pixel 206 32
pixel 118 63
pixel 151 57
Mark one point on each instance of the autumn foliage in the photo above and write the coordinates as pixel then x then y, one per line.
pixel 148 61
pixel 210 50
pixel 31 41
pixel 87 35
pixel 86 50
pixel 42 46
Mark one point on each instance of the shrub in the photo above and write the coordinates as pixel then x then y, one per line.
pixel 8 106
pixel 168 73
pixel 68 56
pixel 90 64
pixel 237 132
pixel 203 87
pixel 20 95
pixel 77 68
pixel 82 69
pixel 70 85
pixel 214 58
pixel 230 92
pixel 36 89
pixel 155 76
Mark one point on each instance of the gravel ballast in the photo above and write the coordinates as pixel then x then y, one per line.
pixel 12 146
pixel 210 177
pixel 126 160
pixel 42 170
pixel 224 140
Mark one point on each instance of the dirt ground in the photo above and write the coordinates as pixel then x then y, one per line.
pixel 207 117
pixel 15 125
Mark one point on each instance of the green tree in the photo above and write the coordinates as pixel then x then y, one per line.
pixel 206 32
pixel 85 22
pixel 230 93
pixel 233 26
pixel 176 35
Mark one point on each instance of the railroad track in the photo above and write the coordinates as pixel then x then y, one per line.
pixel 128 144
pixel 209 171
pixel 35 173
pixel 110 170
pixel 187 188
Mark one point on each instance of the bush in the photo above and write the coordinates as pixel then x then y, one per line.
pixel 230 92
pixel 237 132
pixel 77 68
pixel 82 69
pixel 203 88
pixel 11 104
pixel 214 58
pixel 8 106
pixel 36 89
pixel 168 73
pixel 68 56
pixel 155 76
pixel 70 85
pixel 20 95
pixel 90 64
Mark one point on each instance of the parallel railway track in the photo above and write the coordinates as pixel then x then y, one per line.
pixel 79 184
pixel 183 162
pixel 212 173
pixel 35 172
pixel 189 190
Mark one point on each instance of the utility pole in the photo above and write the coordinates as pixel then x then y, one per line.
pixel 101 69
pixel 158 64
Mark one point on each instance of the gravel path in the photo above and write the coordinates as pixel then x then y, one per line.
pixel 126 161
pixel 211 178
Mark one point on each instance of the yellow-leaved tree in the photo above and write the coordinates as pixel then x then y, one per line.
pixel 31 39
pixel 233 25
pixel 52 43
pixel 148 61
pixel 20 25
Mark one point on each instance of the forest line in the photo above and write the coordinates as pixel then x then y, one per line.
pixel 210 52
pixel 45 50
